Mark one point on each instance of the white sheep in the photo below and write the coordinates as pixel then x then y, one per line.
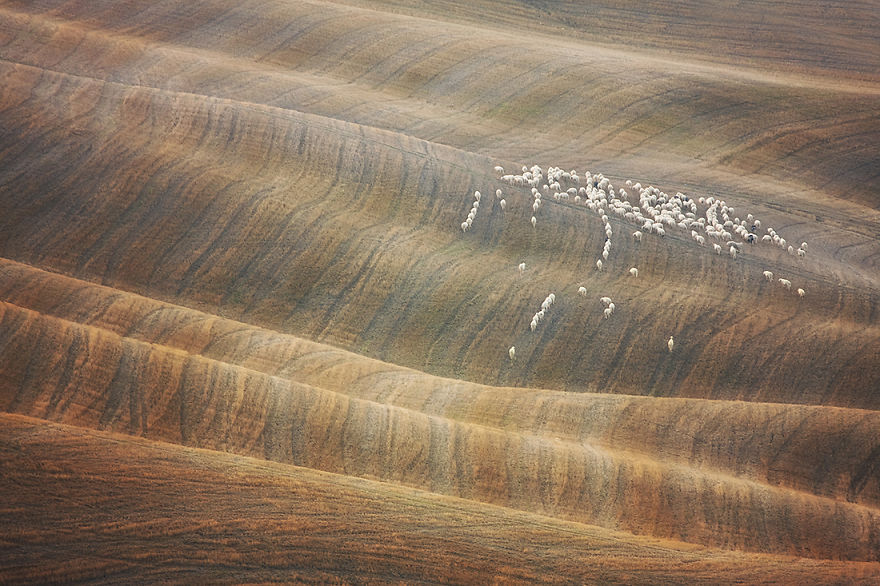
pixel 611 306
pixel 534 221
pixel 503 204
pixel 582 291
pixel 637 236
pixel 605 300
pixel 608 311
pixel 768 275
pixel 477 195
pixel 464 226
pixel 512 352
pixel 801 292
pixel 634 272
pixel 733 252
pixel 670 344
pixel 801 252
pixel 785 283
pixel 534 324
pixel 804 245
pixel 499 169
pixel 717 248
pixel 599 265
pixel 521 267
pixel 605 254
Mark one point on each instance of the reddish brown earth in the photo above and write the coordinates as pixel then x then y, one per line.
pixel 243 338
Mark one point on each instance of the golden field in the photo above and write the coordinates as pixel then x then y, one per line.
pixel 243 337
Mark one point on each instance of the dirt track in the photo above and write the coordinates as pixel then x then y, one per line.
pixel 235 226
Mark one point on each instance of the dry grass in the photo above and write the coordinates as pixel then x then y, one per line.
pixel 234 226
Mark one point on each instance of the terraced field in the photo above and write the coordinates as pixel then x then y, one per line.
pixel 244 337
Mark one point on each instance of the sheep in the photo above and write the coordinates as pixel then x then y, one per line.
pixel 637 236
pixel 801 292
pixel 791 249
pixel 801 252
pixel 611 307
pixel 608 311
pixel 477 195
pixel 634 272
pixel 503 204
pixel 522 267
pixel 599 265
pixel 804 245
pixel 534 324
pixel 768 275
pixel 605 300
pixel 785 283
pixel 717 248
pixel 498 194
pixel 605 254
pixel 464 226
pixel 536 205
pixel 582 291
pixel 670 344
pixel 499 169
pixel 733 252
pixel 534 221
pixel 512 352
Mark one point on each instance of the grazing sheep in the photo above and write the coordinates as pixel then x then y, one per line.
pixel 605 254
pixel 804 245
pixel 611 307
pixel 512 352
pixel 464 226
pixel 534 324
pixel 717 248
pixel 599 265
pixel 522 267
pixel 801 292
pixel 582 291
pixel 503 204
pixel 801 252
pixel 498 193
pixel 534 221
pixel 768 275
pixel 608 311
pixel 477 195
pixel 499 169
pixel 634 272
pixel 670 344
pixel 785 283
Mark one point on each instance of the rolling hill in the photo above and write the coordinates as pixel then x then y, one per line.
pixel 236 293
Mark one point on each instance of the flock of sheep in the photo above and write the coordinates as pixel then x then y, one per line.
pixel 653 213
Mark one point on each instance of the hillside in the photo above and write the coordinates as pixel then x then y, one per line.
pixel 232 232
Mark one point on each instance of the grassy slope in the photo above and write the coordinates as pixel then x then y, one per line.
pixel 282 175
pixel 161 512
